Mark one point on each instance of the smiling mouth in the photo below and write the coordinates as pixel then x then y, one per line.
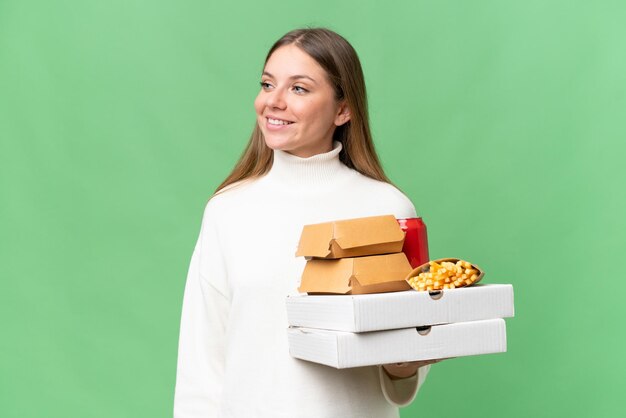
pixel 272 121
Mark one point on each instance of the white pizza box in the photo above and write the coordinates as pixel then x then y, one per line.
pixel 347 349
pixel 383 311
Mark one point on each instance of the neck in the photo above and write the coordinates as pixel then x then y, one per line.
pixel 316 171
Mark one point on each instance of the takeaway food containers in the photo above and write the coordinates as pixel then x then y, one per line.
pixel 357 313
pixel 354 256
pixel 370 329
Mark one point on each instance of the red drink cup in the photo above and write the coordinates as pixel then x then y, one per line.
pixel 415 241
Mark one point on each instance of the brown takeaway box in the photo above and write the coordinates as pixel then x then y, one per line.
pixel 351 238
pixel 352 276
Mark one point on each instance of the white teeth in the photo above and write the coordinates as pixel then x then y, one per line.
pixel 277 122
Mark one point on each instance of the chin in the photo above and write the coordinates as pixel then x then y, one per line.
pixel 277 144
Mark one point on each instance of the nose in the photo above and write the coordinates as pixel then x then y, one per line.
pixel 276 99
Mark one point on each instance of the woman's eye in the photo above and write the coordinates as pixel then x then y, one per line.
pixel 299 89
pixel 265 85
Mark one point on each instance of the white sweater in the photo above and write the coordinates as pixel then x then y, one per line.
pixel 233 357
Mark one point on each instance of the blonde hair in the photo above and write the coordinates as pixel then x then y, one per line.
pixel 343 68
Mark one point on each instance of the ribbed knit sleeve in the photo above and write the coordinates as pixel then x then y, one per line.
pixel 205 311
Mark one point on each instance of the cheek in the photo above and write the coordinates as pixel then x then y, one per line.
pixel 307 110
pixel 259 104
pixel 320 114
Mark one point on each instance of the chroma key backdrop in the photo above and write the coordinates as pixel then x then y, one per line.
pixel 502 120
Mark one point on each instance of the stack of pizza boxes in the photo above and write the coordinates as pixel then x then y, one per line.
pixel 357 309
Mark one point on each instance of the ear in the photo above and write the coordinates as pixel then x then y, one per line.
pixel 343 114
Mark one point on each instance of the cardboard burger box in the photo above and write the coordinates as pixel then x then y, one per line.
pixel 347 349
pixel 354 256
pixel 356 275
pixel 384 311
pixel 358 237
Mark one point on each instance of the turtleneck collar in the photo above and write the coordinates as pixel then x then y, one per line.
pixel 318 170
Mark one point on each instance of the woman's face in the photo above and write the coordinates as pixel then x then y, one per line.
pixel 296 107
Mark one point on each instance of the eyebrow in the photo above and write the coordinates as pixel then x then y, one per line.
pixel 293 77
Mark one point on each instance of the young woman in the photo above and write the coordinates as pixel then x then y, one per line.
pixel 310 159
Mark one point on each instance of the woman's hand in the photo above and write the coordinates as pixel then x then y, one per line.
pixel 403 370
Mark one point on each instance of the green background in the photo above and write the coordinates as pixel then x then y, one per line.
pixel 503 121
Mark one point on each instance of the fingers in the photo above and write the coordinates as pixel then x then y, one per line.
pixel 427 362
pixel 419 363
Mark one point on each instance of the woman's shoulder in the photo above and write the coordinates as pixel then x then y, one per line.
pixel 230 197
pixel 387 195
